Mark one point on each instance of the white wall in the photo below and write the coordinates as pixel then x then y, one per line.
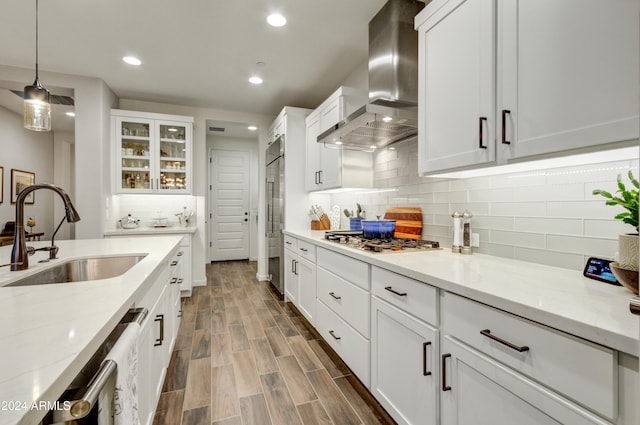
pixel 200 178
pixel 28 151
pixel 546 216
pixel 251 146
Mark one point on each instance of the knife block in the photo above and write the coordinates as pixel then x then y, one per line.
pixel 323 224
pixel 316 225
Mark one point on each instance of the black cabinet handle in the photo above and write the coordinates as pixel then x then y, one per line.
pixel 320 177
pixel 333 294
pixel 179 254
pixel 334 335
pixel 482 119
pixel 445 387
pixel 180 281
pixel 504 127
pixel 390 289
pixel 172 281
pixel 304 250
pixel 518 348
pixel 173 263
pixel 159 318
pixel 317 177
pixel 288 243
pixel 425 371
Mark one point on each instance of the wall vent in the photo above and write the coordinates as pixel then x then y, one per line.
pixel 218 129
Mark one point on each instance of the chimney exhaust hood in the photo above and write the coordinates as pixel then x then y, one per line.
pixel 392 112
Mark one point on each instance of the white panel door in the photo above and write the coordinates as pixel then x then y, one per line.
pixel 571 81
pixel 456 97
pixel 229 198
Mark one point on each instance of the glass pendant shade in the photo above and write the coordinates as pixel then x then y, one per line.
pixel 37 107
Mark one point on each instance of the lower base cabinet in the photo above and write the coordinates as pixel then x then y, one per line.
pixel 477 390
pixel 404 365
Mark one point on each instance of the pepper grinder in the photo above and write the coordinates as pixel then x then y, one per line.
pixel 456 247
pixel 466 232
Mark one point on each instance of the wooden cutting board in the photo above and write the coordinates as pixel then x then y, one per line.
pixel 408 221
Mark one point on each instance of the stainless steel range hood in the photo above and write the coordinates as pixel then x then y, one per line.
pixel 392 112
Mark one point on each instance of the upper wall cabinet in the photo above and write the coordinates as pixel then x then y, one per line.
pixel 513 79
pixel 152 152
pixel 330 168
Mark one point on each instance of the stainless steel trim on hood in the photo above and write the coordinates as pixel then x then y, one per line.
pixel 391 115
pixel 372 127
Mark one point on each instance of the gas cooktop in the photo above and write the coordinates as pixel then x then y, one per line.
pixel 356 239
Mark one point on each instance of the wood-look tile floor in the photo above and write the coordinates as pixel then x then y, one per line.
pixel 243 357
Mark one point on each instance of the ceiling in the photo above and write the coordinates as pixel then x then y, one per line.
pixel 196 52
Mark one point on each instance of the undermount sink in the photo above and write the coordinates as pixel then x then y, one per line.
pixel 81 269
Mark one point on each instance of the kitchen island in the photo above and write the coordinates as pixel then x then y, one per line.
pixel 49 332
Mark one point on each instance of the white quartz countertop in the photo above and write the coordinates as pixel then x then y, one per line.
pixel 150 230
pixel 49 332
pixel 559 298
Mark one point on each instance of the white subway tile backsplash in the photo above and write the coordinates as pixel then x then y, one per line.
pixel 518 209
pixel 550 258
pixel 564 226
pixel 517 239
pixel 606 228
pixel 598 247
pixel 546 216
pixel 582 209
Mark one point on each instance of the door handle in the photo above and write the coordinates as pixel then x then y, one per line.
pixel 159 318
pixel 505 112
pixel 445 387
pixel 320 177
pixel 482 119
pixel 425 371
pixel 634 305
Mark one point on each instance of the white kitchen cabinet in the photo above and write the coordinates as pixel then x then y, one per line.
pixel 152 152
pixel 477 390
pixel 183 254
pixel 328 167
pixel 507 80
pixel 404 365
pixel 276 129
pixel 546 376
pixel 343 309
pixel 300 276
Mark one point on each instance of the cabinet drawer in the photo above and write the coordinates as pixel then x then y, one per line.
pixel 351 270
pixel 412 296
pixel 583 371
pixel 290 243
pixel 346 341
pixel 307 250
pixel 348 301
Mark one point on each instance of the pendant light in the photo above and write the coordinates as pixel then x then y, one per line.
pixel 37 105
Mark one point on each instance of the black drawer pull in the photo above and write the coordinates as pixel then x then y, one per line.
pixel 180 254
pixel 335 297
pixel 288 243
pixel 425 372
pixel 174 280
pixel 518 348
pixel 334 335
pixel 390 289
pixel 173 263
pixel 180 281
pixel 445 387
pixel 304 249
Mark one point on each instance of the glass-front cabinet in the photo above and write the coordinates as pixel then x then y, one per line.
pixel 152 152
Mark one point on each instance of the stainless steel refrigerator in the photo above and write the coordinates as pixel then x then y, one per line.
pixel 275 212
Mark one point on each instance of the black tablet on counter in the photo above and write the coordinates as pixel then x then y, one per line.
pixel 598 269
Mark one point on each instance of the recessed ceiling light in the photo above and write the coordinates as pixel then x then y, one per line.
pixel 338 143
pixel 70 114
pixel 387 119
pixel 276 20
pixel 252 128
pixel 373 146
pixel 132 60
pixel 255 80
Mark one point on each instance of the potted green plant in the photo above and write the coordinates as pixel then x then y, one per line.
pixel 627 198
